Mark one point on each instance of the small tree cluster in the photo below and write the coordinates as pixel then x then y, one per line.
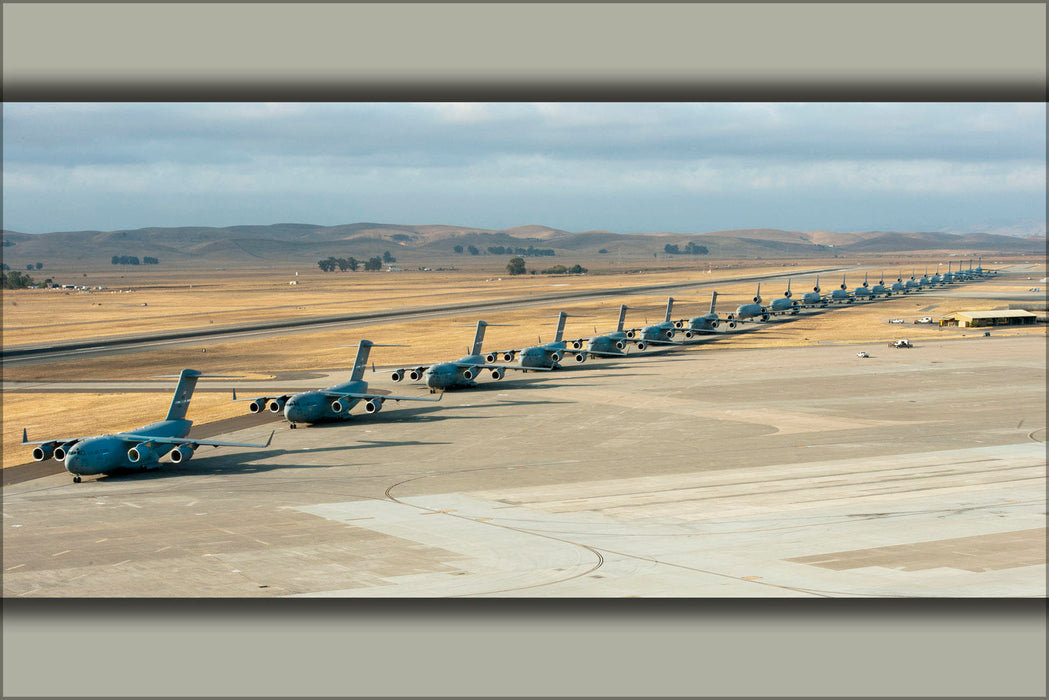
pixel 125 260
pixel 373 264
pixel 576 269
pixel 472 250
pixel 530 251
pixel 692 248
pixel 17 280
pixel 387 258
pixel 146 260
pixel 458 249
pixel 341 264
pixel 516 266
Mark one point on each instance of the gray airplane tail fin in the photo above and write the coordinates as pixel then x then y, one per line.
pixel 187 382
pixel 622 317
pixel 361 363
pixel 560 326
pixel 478 338
pixel 713 301
pixel 670 307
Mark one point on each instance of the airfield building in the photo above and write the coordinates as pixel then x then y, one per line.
pixel 980 319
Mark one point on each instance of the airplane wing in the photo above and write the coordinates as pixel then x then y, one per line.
pixel 26 441
pixel 601 353
pixel 402 370
pixel 132 437
pixel 488 366
pixel 352 395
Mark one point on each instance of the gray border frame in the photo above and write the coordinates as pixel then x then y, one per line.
pixel 133 52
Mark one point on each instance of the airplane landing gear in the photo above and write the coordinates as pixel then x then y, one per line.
pixel 293 426
pixel 76 479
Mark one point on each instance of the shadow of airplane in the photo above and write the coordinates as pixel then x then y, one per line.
pixel 244 462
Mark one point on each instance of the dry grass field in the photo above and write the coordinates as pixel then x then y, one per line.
pixel 204 299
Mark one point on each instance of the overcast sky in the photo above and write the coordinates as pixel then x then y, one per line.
pixel 630 167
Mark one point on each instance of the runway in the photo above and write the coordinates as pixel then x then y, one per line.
pixel 794 472
pixel 30 354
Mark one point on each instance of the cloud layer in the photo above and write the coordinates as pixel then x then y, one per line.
pixel 620 167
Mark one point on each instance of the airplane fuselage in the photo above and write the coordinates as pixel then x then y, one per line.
pixel 880 289
pixel 611 343
pixel 108 453
pixel 709 322
pixel 660 332
pixel 545 355
pixel 751 311
pixel 449 375
pixel 813 299
pixel 840 296
pixel 784 305
pixel 862 293
pixel 316 406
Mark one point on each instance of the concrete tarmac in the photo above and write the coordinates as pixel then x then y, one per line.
pixel 701 472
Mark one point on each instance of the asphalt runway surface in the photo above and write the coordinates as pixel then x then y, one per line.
pixel 794 472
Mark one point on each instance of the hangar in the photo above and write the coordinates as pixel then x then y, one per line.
pixel 978 319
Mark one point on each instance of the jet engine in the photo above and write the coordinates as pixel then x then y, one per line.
pixel 630 334
pixel 715 323
pixel 579 357
pixel 373 405
pixel 276 405
pixel 339 405
pixel 764 317
pixel 679 324
pixel 689 334
pixel 508 356
pixel 142 454
pixel 497 374
pixel 490 357
pixel 641 345
pixel 468 373
pixel 415 374
pixel 620 345
pixel 42 452
pixel 396 376
pixel 555 357
pixel 181 454
pixel 731 324
pixel 257 405
pixel 577 344
pixel 61 450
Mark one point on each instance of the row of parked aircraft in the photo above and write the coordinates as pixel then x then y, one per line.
pixel 143 447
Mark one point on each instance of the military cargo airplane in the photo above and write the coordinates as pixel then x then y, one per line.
pixel 459 373
pixel 924 280
pixel 784 305
pixel 898 287
pixel 880 288
pixel 948 277
pixel 140 448
pixel 612 344
pixel 814 298
pixel 911 284
pixel 333 403
pixel 863 292
pixel 840 295
pixel 548 355
pixel 659 333
pixel 753 310
pixel 708 323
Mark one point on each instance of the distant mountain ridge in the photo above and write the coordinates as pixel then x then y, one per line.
pixel 311 242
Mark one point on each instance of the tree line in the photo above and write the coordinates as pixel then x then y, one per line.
pixel 352 264
pixel 690 249
pixel 516 266
pixel 530 251
pixel 133 260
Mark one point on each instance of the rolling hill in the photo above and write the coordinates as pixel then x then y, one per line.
pixel 416 244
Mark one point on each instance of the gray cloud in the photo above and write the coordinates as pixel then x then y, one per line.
pixel 621 167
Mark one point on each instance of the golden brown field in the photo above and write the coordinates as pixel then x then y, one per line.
pixel 203 300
